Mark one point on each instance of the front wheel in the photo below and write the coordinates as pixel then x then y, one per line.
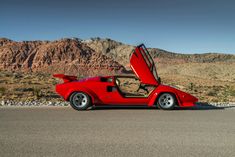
pixel 80 101
pixel 166 101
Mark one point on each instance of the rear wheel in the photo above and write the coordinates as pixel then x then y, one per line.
pixel 80 101
pixel 166 101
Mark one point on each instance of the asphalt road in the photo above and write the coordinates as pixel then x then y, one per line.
pixel 62 131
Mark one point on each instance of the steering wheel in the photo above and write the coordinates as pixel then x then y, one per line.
pixel 142 86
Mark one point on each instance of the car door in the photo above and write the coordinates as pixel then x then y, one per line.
pixel 143 66
pixel 110 94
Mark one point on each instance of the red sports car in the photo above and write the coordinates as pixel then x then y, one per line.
pixel 144 88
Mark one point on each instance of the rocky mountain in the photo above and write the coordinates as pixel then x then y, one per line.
pixel 65 56
pixel 121 53
pixel 89 57
pixel 111 48
pixel 173 66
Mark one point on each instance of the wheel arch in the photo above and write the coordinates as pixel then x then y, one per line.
pixel 170 92
pixel 91 94
pixel 155 97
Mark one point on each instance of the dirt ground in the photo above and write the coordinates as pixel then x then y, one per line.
pixel 31 86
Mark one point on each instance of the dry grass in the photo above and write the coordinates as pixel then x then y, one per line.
pixel 27 86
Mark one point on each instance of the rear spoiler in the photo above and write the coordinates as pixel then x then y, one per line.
pixel 66 78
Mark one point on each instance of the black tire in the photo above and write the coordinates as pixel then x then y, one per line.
pixel 166 101
pixel 80 101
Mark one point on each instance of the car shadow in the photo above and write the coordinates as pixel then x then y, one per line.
pixel 202 106
pixel 198 106
pixel 122 108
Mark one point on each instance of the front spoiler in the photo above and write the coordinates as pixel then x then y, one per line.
pixel 188 104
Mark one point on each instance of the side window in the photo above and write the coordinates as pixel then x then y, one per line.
pixel 145 57
pixel 128 84
pixel 149 61
pixel 148 55
pixel 110 79
pixel 104 79
pixel 155 73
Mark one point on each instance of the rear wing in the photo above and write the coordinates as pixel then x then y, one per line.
pixel 66 78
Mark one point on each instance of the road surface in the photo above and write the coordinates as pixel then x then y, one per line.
pixel 106 132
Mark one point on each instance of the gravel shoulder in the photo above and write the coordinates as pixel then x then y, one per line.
pixel 64 103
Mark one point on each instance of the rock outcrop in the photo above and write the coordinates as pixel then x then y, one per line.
pixel 87 57
pixel 121 52
pixel 69 56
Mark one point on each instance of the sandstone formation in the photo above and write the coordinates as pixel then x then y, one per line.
pixel 68 56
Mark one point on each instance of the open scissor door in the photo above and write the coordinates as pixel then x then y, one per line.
pixel 143 66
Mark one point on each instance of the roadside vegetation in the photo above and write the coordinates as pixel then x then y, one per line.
pixel 40 86
pixel 27 86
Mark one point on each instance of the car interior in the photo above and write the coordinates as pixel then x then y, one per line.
pixel 130 86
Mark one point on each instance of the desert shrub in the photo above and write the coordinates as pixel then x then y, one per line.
pixel 37 92
pixel 6 74
pixel 232 92
pixel 215 99
pixel 2 90
pixel 225 94
pixel 191 86
pixel 212 93
pixel 3 81
pixel 54 82
pixel 201 97
pixel 24 89
pixel 17 75
pixel 224 99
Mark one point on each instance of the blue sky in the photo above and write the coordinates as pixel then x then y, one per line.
pixel 185 26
